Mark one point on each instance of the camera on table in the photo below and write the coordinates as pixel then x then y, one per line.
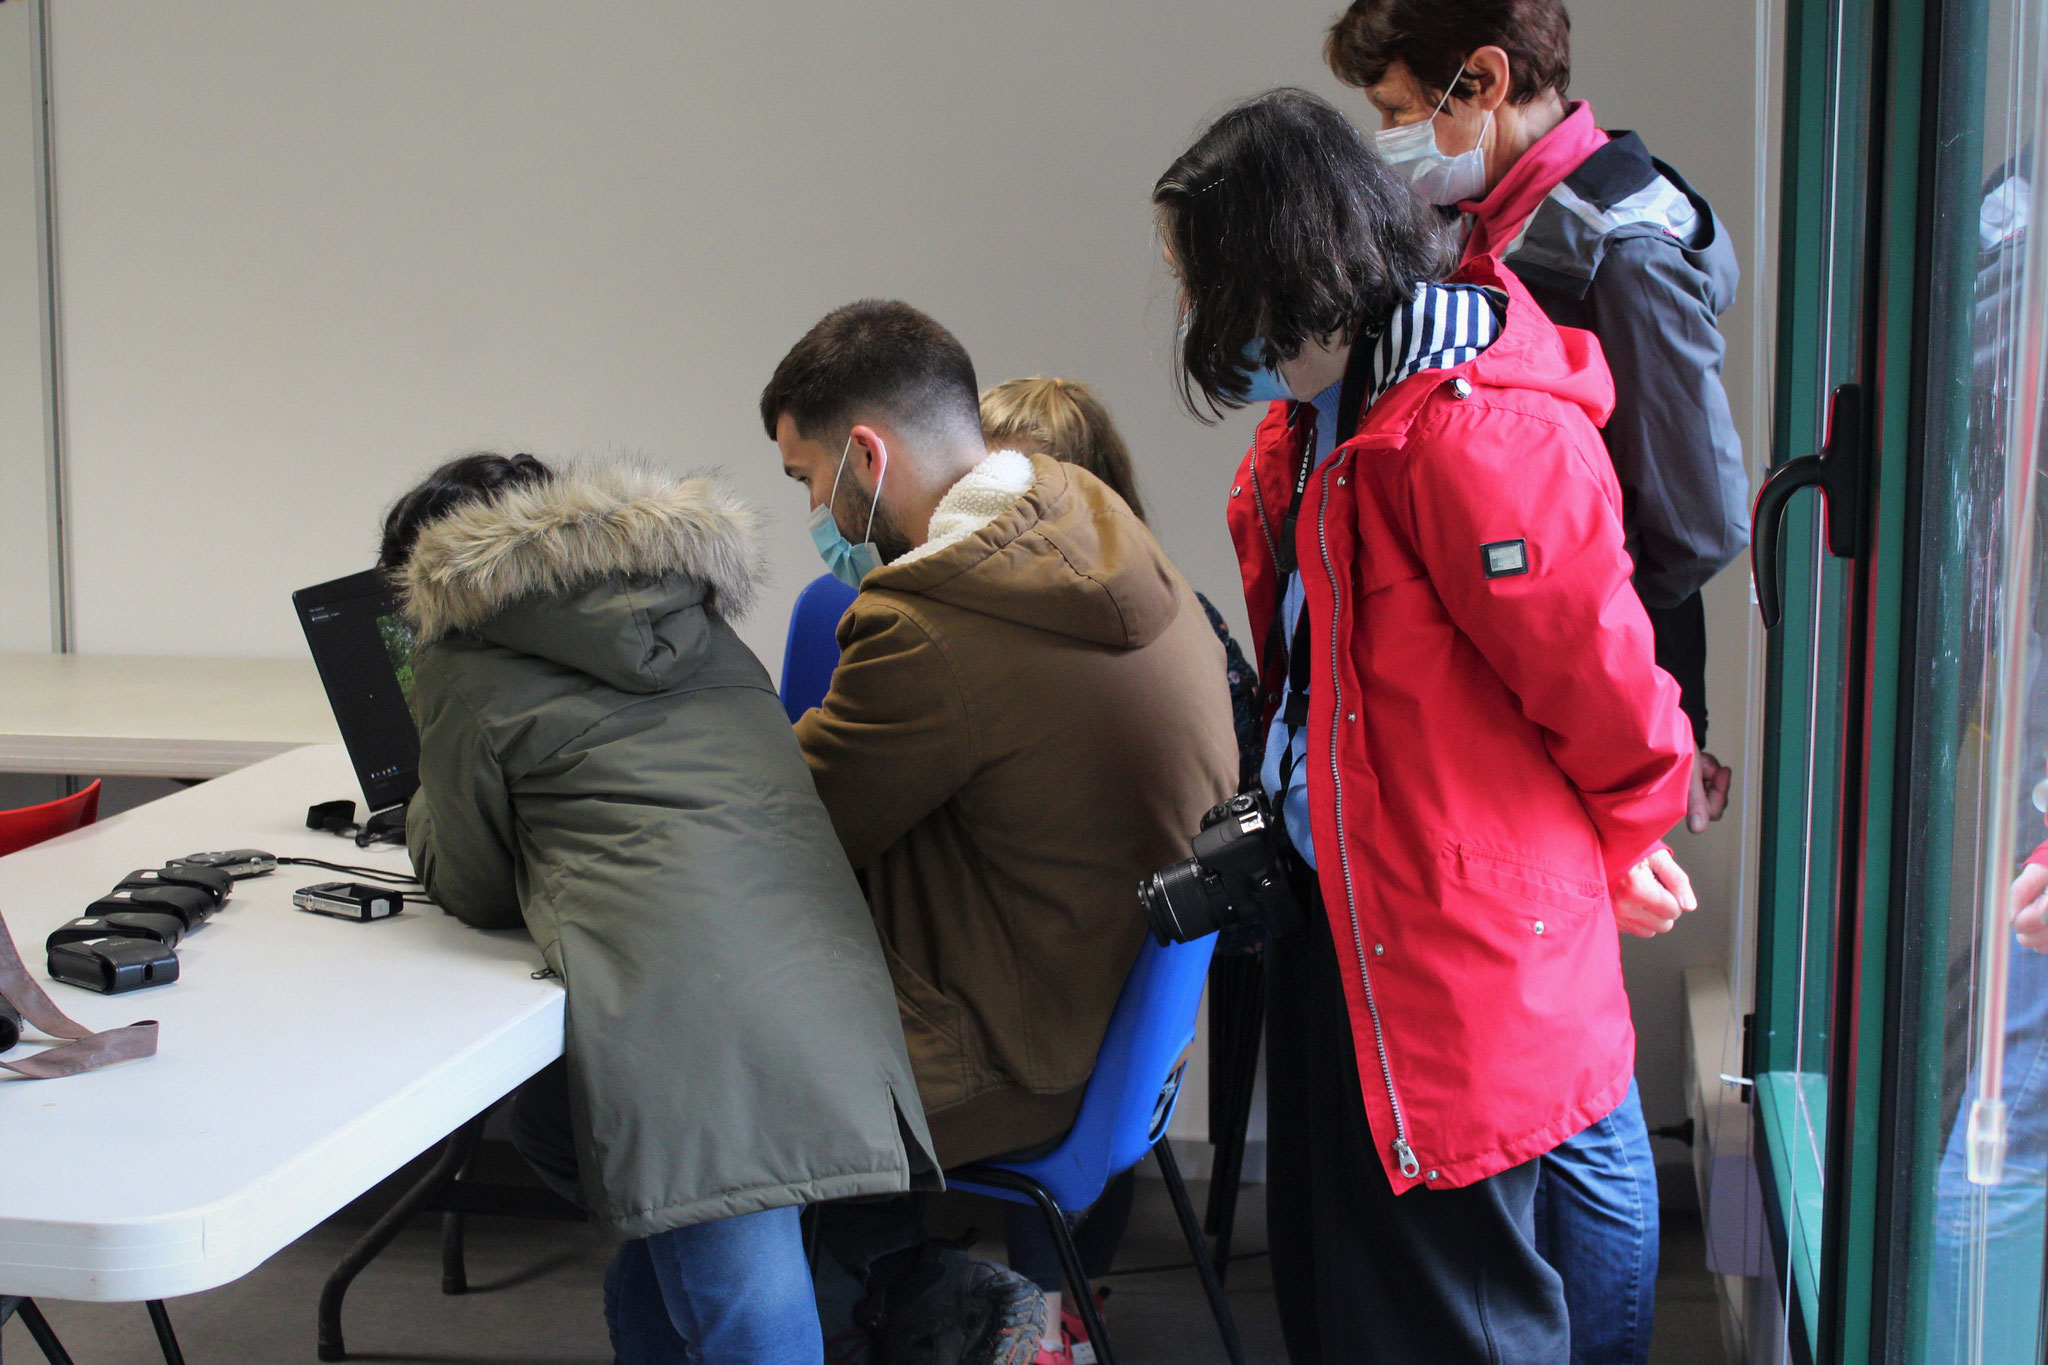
pixel 1242 872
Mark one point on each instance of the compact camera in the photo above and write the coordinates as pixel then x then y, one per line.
pixel 1242 871
pixel 350 900
pixel 238 863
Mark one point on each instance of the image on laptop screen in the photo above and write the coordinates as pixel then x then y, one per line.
pixel 363 649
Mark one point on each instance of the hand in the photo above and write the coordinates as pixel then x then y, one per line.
pixel 1707 799
pixel 1653 895
pixel 2030 907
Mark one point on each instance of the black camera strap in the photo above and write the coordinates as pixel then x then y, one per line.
pixel 81 1048
pixel 1294 700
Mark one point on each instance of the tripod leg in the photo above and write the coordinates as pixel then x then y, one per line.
pixel 1226 1176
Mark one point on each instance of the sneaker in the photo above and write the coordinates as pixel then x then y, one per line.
pixel 1075 1347
pixel 951 1309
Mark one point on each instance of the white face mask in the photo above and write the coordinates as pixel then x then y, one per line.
pixel 1412 150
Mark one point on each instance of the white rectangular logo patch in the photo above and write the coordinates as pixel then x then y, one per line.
pixel 1506 557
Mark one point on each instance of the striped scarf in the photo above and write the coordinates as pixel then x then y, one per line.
pixel 1443 326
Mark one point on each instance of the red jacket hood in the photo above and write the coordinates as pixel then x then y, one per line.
pixel 1532 352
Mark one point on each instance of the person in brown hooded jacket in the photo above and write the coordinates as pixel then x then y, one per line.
pixel 1028 716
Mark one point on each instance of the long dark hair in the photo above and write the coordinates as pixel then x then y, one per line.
pixel 461 481
pixel 1285 227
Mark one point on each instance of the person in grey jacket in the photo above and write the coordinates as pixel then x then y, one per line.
pixel 1471 97
pixel 605 763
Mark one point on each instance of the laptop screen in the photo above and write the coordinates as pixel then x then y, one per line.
pixel 363 649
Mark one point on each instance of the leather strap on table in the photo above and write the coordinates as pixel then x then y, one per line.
pixel 82 1050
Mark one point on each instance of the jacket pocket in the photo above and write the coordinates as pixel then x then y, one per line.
pixel 1524 879
pixel 934 1034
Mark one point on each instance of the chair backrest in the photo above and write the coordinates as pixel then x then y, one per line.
pixel 1136 1083
pixel 33 824
pixel 812 650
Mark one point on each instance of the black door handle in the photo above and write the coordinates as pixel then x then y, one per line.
pixel 1838 472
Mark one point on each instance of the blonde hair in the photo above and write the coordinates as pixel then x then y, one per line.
pixel 1063 419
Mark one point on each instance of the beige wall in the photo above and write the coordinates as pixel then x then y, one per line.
pixel 1684 76
pixel 311 249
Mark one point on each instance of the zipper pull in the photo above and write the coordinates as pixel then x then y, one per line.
pixel 1405 1155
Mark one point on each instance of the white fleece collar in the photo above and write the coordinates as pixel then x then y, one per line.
pixel 984 493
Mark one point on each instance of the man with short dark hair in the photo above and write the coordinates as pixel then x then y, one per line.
pixel 1028 716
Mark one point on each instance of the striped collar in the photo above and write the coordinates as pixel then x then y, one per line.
pixel 1443 326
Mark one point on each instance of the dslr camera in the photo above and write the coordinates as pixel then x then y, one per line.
pixel 1242 871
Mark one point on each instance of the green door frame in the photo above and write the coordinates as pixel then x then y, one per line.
pixel 1864 62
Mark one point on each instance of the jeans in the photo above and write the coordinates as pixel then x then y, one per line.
pixel 1596 1223
pixel 2004 1222
pixel 734 1291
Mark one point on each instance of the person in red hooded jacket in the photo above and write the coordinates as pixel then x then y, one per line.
pixel 1471 746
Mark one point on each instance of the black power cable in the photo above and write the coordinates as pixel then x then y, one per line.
pixel 375 874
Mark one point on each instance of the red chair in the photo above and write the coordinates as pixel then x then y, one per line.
pixel 33 824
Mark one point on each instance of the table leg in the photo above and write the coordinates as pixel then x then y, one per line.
pixel 454 1224
pixel 38 1327
pixel 160 1318
pixel 455 1154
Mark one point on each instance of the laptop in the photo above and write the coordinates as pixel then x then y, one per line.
pixel 363 648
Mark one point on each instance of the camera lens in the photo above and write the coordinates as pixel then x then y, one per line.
pixel 1177 903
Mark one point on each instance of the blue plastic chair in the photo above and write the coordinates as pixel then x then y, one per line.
pixel 812 650
pixel 1124 1114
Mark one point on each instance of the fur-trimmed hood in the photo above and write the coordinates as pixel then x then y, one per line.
pixel 590 523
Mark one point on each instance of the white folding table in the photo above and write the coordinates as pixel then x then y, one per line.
pixel 302 1059
pixel 107 715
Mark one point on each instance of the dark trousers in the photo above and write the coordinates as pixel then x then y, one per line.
pixel 1098 1231
pixel 1360 1274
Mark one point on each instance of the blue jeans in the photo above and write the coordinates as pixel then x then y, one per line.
pixel 1596 1223
pixel 732 1292
pixel 2004 1223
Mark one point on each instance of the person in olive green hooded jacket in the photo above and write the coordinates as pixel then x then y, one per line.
pixel 604 762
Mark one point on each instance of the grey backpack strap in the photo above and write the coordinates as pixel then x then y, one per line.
pixel 82 1050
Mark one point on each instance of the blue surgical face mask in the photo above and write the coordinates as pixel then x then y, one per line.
pixel 848 562
pixel 1267 385
pixel 1412 150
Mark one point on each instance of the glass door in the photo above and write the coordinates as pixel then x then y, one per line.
pixel 1900 1042
pixel 1968 1125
